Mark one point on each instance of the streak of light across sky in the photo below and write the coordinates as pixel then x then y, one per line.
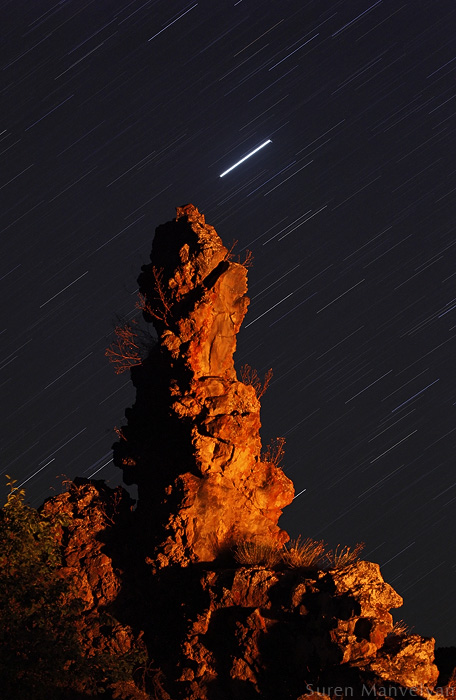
pixel 245 157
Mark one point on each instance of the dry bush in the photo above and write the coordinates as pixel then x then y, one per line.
pixel 230 252
pixel 255 553
pixel 160 307
pixel 400 629
pixel 303 555
pixel 124 351
pixel 342 556
pixel 274 452
pixel 250 377
pixel 248 260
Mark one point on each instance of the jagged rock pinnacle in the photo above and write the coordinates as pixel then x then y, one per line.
pixel 192 442
pixel 238 627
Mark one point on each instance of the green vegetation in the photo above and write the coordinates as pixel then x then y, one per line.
pixel 45 635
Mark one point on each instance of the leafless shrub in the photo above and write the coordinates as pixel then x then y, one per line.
pixel 274 452
pixel 124 351
pixel 342 556
pixel 248 260
pixel 303 555
pixel 256 553
pixel 250 377
pixel 160 307
pixel 111 509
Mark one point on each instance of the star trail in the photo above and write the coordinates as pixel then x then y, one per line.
pixel 255 150
pixel 115 113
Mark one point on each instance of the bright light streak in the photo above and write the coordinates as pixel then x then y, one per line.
pixel 245 157
pixel 102 466
pixel 35 473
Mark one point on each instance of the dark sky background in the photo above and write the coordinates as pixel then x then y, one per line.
pixel 114 113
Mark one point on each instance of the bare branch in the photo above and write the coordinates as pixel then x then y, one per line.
pixel 250 377
pixel 160 307
pixel 230 253
pixel 124 350
pixel 274 453
pixel 248 260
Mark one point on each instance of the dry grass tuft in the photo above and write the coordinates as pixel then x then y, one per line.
pixel 303 555
pixel 342 556
pixel 255 553
pixel 400 629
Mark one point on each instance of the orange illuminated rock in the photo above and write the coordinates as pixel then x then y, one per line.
pixel 218 621
pixel 213 489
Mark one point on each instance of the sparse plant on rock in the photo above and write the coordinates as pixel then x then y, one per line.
pixel 342 556
pixel 400 629
pixel 158 308
pixel 248 260
pixel 274 452
pixel 256 553
pixel 124 351
pixel 250 377
pixel 304 554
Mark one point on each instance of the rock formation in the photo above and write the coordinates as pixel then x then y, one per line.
pixel 285 634
pixel 195 450
pixel 216 629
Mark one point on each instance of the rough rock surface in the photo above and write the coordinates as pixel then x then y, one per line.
pixel 213 487
pixel 88 509
pixel 94 518
pixel 258 633
pixel 216 630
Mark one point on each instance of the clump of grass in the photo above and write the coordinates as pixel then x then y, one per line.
pixel 256 553
pixel 400 629
pixel 303 555
pixel 342 556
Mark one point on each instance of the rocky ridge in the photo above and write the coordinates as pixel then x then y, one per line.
pixel 215 629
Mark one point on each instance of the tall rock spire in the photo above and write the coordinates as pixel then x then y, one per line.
pixel 192 442
pixel 302 623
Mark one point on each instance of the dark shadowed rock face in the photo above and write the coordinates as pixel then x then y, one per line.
pixel 277 634
pixel 215 630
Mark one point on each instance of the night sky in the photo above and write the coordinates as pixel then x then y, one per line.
pixel 114 113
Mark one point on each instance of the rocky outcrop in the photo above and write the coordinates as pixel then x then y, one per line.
pixel 277 633
pixel 192 442
pixel 215 629
pixel 87 510
pixel 95 522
